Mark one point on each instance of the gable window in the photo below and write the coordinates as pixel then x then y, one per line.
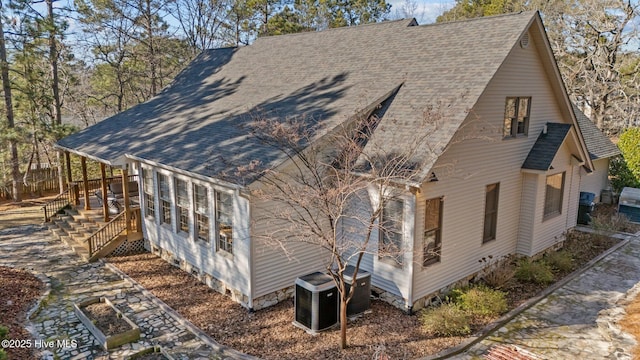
pixel 432 232
pixel 490 212
pixel 553 195
pixel 182 205
pixel 224 221
pixel 391 234
pixel 201 200
pixel 165 199
pixel 516 116
pixel 147 189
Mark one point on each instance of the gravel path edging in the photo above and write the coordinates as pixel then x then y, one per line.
pixel 494 326
pixel 221 349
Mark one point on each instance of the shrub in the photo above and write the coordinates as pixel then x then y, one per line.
pixel 3 334
pixel 605 218
pixel 630 150
pixel 560 260
pixel 482 301
pixel 496 273
pixel 621 175
pixel 448 319
pixel 537 272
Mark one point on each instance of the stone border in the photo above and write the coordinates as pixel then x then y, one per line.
pixel 43 298
pixel 221 350
pixel 494 326
pixel 150 350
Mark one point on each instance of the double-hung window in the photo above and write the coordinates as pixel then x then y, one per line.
pixel 490 212
pixel 201 201
pixel 165 199
pixel 224 221
pixel 516 116
pixel 391 234
pixel 182 206
pixel 553 195
pixel 432 232
pixel 147 189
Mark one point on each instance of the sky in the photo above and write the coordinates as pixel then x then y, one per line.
pixel 427 11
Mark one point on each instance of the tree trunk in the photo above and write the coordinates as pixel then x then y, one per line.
pixel 13 145
pixel 343 321
pixel 53 61
pixel 60 171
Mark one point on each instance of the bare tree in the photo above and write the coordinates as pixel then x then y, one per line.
pixel 201 21
pixel 593 42
pixel 338 193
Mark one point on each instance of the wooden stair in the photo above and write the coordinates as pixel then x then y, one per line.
pixel 73 227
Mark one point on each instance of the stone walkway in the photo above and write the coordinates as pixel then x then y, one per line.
pixel 580 319
pixel 62 335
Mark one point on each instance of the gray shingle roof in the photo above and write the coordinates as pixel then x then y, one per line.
pixel 196 123
pixel 544 150
pixel 598 145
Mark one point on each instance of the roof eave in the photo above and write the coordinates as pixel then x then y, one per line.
pixel 117 162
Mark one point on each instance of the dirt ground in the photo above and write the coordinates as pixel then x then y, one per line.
pixel 19 290
pixel 29 211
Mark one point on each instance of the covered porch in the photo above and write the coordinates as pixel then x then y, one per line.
pixel 99 212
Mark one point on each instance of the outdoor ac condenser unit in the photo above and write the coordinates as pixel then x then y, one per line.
pixel 316 302
pixel 361 300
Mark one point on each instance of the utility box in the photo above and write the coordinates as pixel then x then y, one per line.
pixel 361 300
pixel 316 302
pixel 629 204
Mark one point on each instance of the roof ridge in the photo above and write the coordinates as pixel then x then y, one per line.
pixel 340 28
pixel 483 18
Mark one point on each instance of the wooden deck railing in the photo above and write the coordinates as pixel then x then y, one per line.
pixel 112 230
pixel 53 206
pixel 96 184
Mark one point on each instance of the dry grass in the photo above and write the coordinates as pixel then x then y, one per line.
pixel 27 212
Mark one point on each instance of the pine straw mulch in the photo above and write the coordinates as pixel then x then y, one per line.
pixel 19 291
pixel 269 334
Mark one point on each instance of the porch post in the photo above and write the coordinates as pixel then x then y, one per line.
pixel 72 189
pixel 85 181
pixel 125 193
pixel 105 205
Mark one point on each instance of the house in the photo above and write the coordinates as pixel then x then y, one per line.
pixel 601 150
pixel 503 177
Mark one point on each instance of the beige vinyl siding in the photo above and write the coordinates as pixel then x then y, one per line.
pixel 548 232
pixel 528 206
pixel 384 274
pixel 477 157
pixel 598 180
pixel 231 269
pixel 273 267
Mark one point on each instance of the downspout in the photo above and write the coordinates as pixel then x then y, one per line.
pixel 251 278
pixel 414 208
